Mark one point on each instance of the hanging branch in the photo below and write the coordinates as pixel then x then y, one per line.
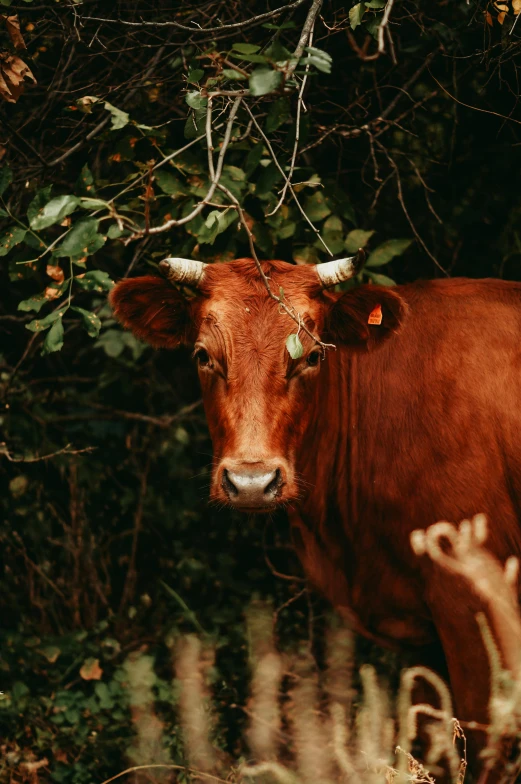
pixel 214 181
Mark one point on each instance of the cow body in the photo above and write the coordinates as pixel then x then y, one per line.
pixel 404 424
pixel 426 428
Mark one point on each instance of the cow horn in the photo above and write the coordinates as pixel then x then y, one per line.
pixel 185 271
pixel 333 272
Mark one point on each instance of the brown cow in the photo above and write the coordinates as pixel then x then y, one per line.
pixel 407 422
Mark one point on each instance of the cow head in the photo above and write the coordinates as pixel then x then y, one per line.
pixel 258 400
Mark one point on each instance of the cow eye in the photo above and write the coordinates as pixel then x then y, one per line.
pixel 202 357
pixel 314 358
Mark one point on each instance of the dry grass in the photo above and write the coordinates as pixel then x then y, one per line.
pixel 301 724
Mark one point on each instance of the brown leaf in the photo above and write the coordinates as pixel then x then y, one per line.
pixel 13 28
pixel 488 17
pixel 516 6
pixel 55 272
pixel 51 292
pixel 90 670
pixel 501 17
pixel 13 73
pixel 33 767
pixel 5 92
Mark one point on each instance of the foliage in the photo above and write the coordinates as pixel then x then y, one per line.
pixel 108 546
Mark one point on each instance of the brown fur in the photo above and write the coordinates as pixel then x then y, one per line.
pixel 405 424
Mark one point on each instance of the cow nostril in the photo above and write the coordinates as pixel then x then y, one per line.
pixel 228 485
pixel 274 485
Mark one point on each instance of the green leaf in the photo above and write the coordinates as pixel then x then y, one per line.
pixel 82 240
pixel 321 65
pixel 306 255
pixel 37 302
pixel 11 237
pixel 264 80
pixel 355 15
pixel 51 653
pixel 267 179
pixel 277 52
pixel 319 53
pixel 6 177
pixel 85 182
pixel 250 58
pixel 294 346
pixel 216 222
pixel 287 230
pixel 114 231
pixel 54 211
pixel 235 173
pixel 376 4
pixel 284 26
pixel 372 26
pixel 278 114
pixel 39 325
pixel 246 48
pixel 357 239
pixel 315 206
pixel 89 203
pixel 231 73
pixel 39 201
pixel 387 251
pixel 33 303
pixel 168 182
pixel 54 338
pixel 380 280
pixel 112 343
pixel 195 75
pixel 253 158
pixel 320 59
pixel 102 693
pixel 118 119
pixel 195 100
pixel 332 234
pixel 90 321
pixel 195 122
pixel 95 280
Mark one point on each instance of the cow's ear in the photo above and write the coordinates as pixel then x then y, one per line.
pixel 153 309
pixel 365 317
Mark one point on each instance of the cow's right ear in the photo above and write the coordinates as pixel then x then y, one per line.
pixel 154 310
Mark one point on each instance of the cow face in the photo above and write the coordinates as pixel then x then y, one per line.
pixel 258 400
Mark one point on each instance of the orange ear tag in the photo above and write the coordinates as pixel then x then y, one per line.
pixel 375 316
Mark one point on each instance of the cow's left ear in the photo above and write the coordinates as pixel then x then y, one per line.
pixel 364 317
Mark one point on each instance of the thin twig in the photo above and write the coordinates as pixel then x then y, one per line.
pixel 382 28
pixel 290 186
pixel 304 37
pixel 297 134
pixel 164 767
pixel 214 181
pixel 254 20
pixel 65 451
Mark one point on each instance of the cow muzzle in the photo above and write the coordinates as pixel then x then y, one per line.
pixel 252 486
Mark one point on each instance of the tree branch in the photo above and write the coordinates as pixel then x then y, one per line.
pixel 254 20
